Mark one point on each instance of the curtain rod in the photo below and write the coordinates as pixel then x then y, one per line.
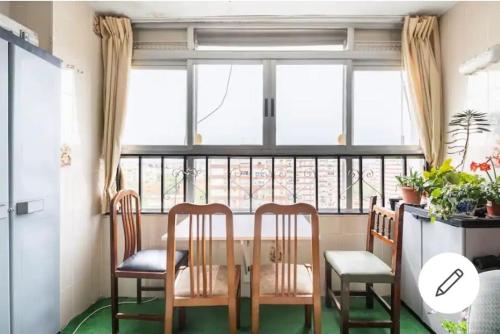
pixel 392 20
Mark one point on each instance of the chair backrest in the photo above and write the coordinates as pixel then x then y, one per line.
pixel 387 226
pixel 200 254
pixel 483 313
pixel 127 204
pixel 286 240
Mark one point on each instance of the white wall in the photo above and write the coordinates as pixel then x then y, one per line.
pixel 345 232
pixel 77 45
pixel 468 29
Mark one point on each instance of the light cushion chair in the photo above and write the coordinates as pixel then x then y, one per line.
pixel 365 267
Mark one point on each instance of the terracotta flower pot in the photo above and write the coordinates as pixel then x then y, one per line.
pixel 411 196
pixel 493 209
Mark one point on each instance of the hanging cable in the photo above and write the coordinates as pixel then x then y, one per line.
pixel 106 306
pixel 223 97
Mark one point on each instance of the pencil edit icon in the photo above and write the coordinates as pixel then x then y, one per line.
pixel 449 282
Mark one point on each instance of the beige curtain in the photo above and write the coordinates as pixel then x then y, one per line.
pixel 422 63
pixel 116 36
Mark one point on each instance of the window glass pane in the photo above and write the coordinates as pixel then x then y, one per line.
pixel 415 164
pixel 381 115
pixel 283 180
pixel 151 184
pixel 240 184
pixel 217 180
pixel 327 184
pixel 372 181
pixel 306 181
pixel 173 182
pixel 199 178
pixel 309 104
pixel 129 173
pixel 393 168
pixel 156 107
pixel 349 185
pixel 229 102
pixel 261 182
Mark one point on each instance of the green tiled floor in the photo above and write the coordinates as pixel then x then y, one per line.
pixel 274 319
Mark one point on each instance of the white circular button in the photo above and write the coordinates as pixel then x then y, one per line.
pixel 448 283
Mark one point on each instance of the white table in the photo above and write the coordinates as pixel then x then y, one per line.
pixel 243 230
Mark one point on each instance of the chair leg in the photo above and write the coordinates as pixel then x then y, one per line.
pixel 328 284
pixel 232 316
pixel 182 318
pixel 369 296
pixel 344 307
pixel 395 307
pixel 255 316
pixel 114 305
pixel 317 314
pixel 307 314
pixel 238 307
pixel 139 291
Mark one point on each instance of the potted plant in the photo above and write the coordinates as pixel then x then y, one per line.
pixel 453 192
pixel 412 187
pixel 491 188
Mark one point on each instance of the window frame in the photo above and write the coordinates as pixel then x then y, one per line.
pixel 269 146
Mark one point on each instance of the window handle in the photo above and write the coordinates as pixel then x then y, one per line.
pixel 265 108
pixel 272 107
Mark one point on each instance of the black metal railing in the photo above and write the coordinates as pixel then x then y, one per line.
pixel 338 184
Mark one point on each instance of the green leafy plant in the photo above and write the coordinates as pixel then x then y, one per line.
pixel 452 327
pixel 462 126
pixel 452 192
pixel 492 191
pixel 414 180
pixel 438 177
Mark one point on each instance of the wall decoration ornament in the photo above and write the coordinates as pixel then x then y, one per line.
pixel 65 156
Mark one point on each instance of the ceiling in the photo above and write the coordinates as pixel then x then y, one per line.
pixel 191 10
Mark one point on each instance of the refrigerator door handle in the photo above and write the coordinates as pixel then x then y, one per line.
pixel 25 208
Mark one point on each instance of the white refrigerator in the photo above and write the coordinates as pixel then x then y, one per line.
pixel 29 188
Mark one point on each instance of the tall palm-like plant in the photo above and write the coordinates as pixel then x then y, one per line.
pixel 462 126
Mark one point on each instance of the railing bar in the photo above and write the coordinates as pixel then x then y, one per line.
pixel 338 184
pixel 251 184
pixel 206 179
pixel 360 184
pixel 228 181
pixel 162 186
pixel 140 179
pixel 405 165
pixel 382 185
pixel 184 179
pixel 316 180
pixel 295 179
pixel 272 179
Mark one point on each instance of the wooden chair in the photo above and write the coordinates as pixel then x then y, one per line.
pixel 137 263
pixel 202 283
pixel 286 282
pixel 365 267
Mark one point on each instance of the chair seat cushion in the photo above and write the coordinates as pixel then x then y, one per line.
pixel 150 260
pixel 268 280
pixel 219 281
pixel 359 266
